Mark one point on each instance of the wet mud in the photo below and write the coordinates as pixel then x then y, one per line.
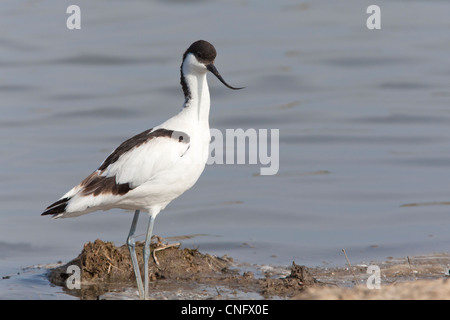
pixel 106 273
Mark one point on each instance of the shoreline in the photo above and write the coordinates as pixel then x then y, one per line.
pixel 187 274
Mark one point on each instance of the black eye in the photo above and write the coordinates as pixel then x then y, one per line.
pixel 199 54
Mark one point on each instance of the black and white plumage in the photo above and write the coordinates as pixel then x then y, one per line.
pixel 128 176
pixel 151 169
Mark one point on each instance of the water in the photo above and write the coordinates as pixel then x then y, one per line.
pixel 363 117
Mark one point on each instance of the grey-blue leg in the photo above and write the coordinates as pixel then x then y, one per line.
pixel 132 248
pixel 148 240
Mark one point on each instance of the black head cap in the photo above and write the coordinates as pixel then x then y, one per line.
pixel 203 51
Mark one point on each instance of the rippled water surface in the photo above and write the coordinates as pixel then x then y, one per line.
pixel 363 116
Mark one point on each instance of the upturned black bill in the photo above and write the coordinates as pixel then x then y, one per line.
pixel 211 67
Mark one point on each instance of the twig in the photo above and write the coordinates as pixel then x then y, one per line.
pixel 410 266
pixel 351 268
pixel 163 247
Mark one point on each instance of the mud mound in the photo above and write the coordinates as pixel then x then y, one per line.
pixel 107 268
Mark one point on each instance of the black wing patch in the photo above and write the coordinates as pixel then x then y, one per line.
pixel 57 207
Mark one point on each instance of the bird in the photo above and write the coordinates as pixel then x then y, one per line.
pixel 149 170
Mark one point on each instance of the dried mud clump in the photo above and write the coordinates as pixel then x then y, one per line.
pixel 298 279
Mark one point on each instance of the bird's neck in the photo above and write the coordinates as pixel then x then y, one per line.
pixel 196 94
